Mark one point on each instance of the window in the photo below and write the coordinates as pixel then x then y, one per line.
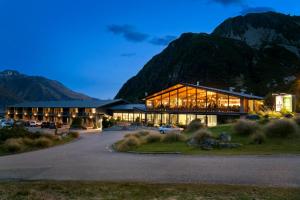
pixel 191 98
pixel 222 102
pixel 165 101
pixel 182 99
pixel 211 101
pixel 201 99
pixel 173 99
pixel 182 119
pixel 234 104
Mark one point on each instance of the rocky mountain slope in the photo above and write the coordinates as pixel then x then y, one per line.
pixel 257 52
pixel 16 87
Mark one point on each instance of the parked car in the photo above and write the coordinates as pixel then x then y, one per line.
pixel 169 128
pixel 38 123
pixel 52 125
pixel 5 124
pixel 45 124
pixel 32 123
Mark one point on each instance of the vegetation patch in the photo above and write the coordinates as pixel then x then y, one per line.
pixel 90 190
pixel 18 139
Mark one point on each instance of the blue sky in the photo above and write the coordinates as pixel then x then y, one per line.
pixel 94 46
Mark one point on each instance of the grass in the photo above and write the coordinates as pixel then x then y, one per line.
pixel 66 139
pixel 90 190
pixel 271 146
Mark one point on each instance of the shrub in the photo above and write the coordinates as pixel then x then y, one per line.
pixel 14 132
pixel 245 127
pixel 174 137
pixel 281 128
pixel 28 141
pixel 43 142
pixel 194 126
pixel 50 136
pixel 153 137
pixel 200 135
pixel 258 138
pixel 143 133
pixel 13 145
pixel 297 120
pixel 74 134
pixel 122 147
pixel 132 141
pixel 77 123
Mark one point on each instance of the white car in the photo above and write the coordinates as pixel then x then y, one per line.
pixel 5 124
pixel 32 123
pixel 38 123
pixel 169 128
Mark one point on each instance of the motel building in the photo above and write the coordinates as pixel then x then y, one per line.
pixel 179 105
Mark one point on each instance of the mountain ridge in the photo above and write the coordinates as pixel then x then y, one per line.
pixel 222 60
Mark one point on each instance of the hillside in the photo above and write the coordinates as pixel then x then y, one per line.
pixel 16 88
pixel 227 57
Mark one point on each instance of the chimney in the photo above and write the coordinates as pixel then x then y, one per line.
pixel 231 89
pixel 146 94
pixel 243 91
pixel 198 83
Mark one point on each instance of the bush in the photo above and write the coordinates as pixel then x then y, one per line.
pixel 200 135
pixel 174 137
pixel 194 126
pixel 297 120
pixel 122 147
pixel 13 145
pixel 245 127
pixel 50 136
pixel 143 133
pixel 153 137
pixel 43 142
pixel 28 141
pixel 258 138
pixel 14 132
pixel 77 123
pixel 74 134
pixel 281 128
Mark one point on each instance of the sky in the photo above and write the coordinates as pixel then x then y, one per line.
pixel 95 46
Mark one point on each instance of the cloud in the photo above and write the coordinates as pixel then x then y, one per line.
pixel 227 2
pixel 247 10
pixel 128 32
pixel 162 40
pixel 128 54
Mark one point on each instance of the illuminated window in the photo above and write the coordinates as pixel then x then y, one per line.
pixel 234 104
pixel 211 101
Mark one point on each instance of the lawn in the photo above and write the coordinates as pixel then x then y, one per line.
pixel 272 145
pixel 49 190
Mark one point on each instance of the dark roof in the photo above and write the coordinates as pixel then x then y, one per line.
pixel 129 107
pixel 180 85
pixel 68 104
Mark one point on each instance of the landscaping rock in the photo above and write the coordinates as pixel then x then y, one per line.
pixel 225 137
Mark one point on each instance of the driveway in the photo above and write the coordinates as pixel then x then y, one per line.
pixel 90 158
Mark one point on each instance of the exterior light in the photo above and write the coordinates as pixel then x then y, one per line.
pixel 25 113
pixel 8 113
pixel 91 117
pixel 58 115
pixel 46 114
pixel 34 114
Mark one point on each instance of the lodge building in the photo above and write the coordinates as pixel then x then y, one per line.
pixel 179 104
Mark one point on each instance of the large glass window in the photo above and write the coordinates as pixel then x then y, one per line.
pixel 157 102
pixel 190 118
pixel 211 120
pixel 234 104
pixel 182 119
pixel 191 98
pixel 165 101
pixel 173 100
pixel 173 118
pixel 222 102
pixel 150 104
pixel 165 118
pixel 182 99
pixel 211 101
pixel 201 99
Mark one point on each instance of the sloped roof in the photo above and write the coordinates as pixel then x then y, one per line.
pixel 129 107
pixel 180 85
pixel 68 104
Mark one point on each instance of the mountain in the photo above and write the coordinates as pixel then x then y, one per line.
pixel 257 52
pixel 16 88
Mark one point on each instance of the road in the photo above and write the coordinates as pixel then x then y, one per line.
pixel 90 158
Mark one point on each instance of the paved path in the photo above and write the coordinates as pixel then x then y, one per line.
pixel 89 158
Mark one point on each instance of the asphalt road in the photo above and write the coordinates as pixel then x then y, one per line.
pixel 90 158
